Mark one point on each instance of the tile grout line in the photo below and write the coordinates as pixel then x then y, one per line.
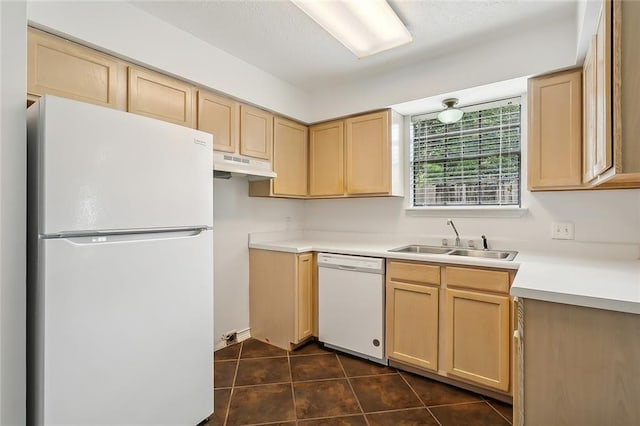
pixel 366 420
pixel 433 415
pixel 496 410
pixel 456 403
pixel 264 357
pixel 338 416
pixel 235 374
pixel 293 391
pixel 420 399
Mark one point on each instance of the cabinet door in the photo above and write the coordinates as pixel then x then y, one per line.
pixel 477 336
pixel 158 96
pixel 555 131
pixel 256 132
pixel 603 152
pixel 326 165
pixel 589 104
pixel 290 158
pixel 219 116
pixel 305 299
pixel 367 153
pixel 62 68
pixel 412 324
pixel 273 297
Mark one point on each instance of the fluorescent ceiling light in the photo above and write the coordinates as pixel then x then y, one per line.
pixel 364 27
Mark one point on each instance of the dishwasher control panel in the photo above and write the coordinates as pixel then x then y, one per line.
pixel 359 263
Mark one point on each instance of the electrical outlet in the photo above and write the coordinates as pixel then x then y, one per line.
pixel 562 231
pixel 230 336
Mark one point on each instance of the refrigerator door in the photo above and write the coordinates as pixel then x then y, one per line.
pixel 124 330
pixel 103 169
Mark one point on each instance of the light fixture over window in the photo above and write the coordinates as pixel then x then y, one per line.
pixel 364 27
pixel 450 114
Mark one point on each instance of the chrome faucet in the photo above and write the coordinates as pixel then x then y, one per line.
pixel 450 222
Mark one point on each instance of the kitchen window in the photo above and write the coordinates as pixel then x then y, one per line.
pixel 473 162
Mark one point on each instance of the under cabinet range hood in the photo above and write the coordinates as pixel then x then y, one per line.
pixel 235 164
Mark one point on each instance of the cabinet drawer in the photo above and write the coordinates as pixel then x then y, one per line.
pixel 479 279
pixel 413 272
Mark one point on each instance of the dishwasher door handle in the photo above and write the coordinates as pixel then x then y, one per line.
pixel 347 268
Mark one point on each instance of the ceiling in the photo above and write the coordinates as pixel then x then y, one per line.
pixel 276 37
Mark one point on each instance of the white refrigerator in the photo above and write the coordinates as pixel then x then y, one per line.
pixel 120 268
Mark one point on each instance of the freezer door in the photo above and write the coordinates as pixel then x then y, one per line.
pixel 102 169
pixel 124 331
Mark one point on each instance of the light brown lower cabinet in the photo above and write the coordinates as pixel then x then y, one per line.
pixel 305 298
pixel 478 337
pixel 282 297
pixel 451 322
pixel 412 324
pixel 580 365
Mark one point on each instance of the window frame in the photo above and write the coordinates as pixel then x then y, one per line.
pixel 468 210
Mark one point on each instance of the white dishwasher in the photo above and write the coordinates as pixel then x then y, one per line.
pixel 351 304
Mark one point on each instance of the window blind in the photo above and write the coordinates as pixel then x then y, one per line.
pixel 475 161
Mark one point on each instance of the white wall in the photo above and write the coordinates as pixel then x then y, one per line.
pixel 131 33
pixel 548 46
pixel 599 216
pixel 235 215
pixel 12 212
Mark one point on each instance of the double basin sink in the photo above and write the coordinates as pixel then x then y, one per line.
pixel 454 251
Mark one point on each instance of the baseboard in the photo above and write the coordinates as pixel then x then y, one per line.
pixel 240 336
pixel 244 334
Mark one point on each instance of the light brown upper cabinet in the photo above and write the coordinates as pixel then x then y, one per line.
pixel 367 153
pixel 219 116
pixel 357 156
pixel 589 113
pixel 597 144
pixel 256 132
pixel 625 171
pixel 610 147
pixel 555 131
pixel 290 154
pixel 157 96
pixel 602 159
pixel 326 159
pixel 62 68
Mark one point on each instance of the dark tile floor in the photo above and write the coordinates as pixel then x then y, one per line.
pixel 256 384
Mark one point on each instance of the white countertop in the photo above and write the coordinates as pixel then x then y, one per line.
pixel 581 278
pixel 605 284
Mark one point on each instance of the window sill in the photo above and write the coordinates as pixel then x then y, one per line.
pixel 467 211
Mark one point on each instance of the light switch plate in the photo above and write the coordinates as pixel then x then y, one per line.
pixel 562 231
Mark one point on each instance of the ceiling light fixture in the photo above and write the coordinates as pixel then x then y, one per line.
pixel 364 27
pixel 450 114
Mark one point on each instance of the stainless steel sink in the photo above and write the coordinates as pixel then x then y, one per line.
pixel 490 254
pixel 422 249
pixel 487 254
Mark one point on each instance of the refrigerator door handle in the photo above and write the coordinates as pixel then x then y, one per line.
pixel 132 237
pixel 136 231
